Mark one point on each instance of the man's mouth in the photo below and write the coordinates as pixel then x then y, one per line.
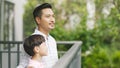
pixel 52 24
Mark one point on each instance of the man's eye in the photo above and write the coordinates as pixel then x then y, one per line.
pixel 48 16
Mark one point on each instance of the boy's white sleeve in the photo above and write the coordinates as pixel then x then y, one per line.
pixel 24 58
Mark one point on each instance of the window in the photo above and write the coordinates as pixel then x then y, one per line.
pixel 7 22
pixel 0 17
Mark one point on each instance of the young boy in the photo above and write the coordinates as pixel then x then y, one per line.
pixel 35 46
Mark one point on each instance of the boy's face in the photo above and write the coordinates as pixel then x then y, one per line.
pixel 43 49
pixel 47 19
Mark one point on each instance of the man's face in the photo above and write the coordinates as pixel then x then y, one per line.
pixel 47 19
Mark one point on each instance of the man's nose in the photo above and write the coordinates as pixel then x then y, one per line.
pixel 52 19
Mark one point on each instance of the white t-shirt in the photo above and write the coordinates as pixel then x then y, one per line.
pixel 49 60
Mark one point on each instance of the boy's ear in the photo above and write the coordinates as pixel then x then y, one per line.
pixel 37 20
pixel 36 49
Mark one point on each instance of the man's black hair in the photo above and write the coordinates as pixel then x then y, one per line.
pixel 38 10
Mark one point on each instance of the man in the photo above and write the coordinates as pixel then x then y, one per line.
pixel 44 18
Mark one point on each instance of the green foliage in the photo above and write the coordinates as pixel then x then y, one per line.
pixel 29 23
pixel 116 59
pixel 103 41
pixel 102 58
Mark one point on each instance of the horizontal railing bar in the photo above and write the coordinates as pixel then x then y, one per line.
pixel 20 52
pixel 67 42
pixel 11 42
pixel 20 42
pixel 8 51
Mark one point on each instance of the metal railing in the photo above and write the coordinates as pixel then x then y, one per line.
pixel 6 48
pixel 70 59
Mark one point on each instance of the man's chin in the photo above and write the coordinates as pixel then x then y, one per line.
pixel 52 28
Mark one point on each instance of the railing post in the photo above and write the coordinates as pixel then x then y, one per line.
pixel 9 56
pixel 18 53
pixel 0 59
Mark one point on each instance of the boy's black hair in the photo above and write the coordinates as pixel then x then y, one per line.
pixel 31 42
pixel 38 10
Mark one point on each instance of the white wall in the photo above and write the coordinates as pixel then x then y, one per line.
pixel 19 9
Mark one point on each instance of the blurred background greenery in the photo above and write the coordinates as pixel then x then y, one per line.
pixel 101 44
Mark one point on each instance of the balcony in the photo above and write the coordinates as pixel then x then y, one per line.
pixel 10 54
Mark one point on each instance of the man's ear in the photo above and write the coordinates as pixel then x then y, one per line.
pixel 37 20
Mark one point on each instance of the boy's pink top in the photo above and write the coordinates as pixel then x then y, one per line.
pixel 35 64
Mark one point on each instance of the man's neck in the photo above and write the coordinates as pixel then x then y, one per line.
pixel 43 31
